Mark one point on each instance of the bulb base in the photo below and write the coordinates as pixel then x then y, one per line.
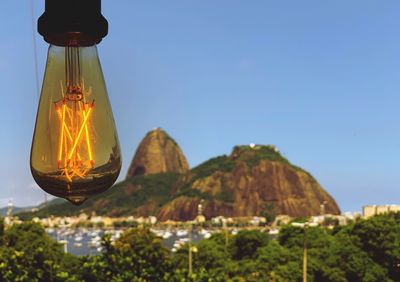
pixel 77 201
pixel 72 22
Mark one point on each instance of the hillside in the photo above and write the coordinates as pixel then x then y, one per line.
pixel 3 211
pixel 157 153
pixel 252 180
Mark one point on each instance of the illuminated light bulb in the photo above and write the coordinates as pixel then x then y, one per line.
pixel 75 150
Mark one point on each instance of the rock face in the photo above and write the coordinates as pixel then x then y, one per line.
pixel 157 153
pixel 254 180
pixel 251 181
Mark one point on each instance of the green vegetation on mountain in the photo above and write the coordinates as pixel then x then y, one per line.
pixel 244 183
pixel 220 163
pixel 187 191
pixel 253 154
pixel 118 201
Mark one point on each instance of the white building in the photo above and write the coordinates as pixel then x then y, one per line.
pixel 371 210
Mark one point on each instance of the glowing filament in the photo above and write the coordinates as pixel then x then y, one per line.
pixel 74 137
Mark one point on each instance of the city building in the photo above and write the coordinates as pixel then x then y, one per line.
pixel 371 210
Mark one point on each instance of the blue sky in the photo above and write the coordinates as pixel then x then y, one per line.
pixel 319 79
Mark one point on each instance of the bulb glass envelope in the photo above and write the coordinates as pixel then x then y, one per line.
pixel 75 150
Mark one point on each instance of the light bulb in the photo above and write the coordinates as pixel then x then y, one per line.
pixel 75 151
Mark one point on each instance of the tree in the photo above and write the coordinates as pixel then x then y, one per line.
pixel 269 212
pixel 137 256
pixel 29 254
pixel 335 258
pixel 354 261
pixel 379 236
pixel 246 243
pixel 276 262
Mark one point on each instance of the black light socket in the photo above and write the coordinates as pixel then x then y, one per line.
pixel 72 22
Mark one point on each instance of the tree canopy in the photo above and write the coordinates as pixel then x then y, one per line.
pixel 367 250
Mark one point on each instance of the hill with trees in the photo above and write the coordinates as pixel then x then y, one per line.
pixel 252 180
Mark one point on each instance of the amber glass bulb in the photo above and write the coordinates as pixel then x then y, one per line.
pixel 75 151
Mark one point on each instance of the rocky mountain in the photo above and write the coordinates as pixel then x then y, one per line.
pixel 252 180
pixel 157 153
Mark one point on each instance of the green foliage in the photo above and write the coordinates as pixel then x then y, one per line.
pixel 137 256
pixel 1 227
pixel 187 191
pixel 246 243
pixel 268 212
pixel 273 260
pixel 226 195
pixel 156 187
pixel 353 262
pixel 330 221
pixel 136 191
pixel 332 257
pixel 290 236
pixel 29 254
pixel 379 236
pixel 366 251
pixel 252 156
pixel 299 220
pixel 211 262
pixel 125 224
pixel 220 163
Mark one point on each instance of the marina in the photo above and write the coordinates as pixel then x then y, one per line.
pixel 87 241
